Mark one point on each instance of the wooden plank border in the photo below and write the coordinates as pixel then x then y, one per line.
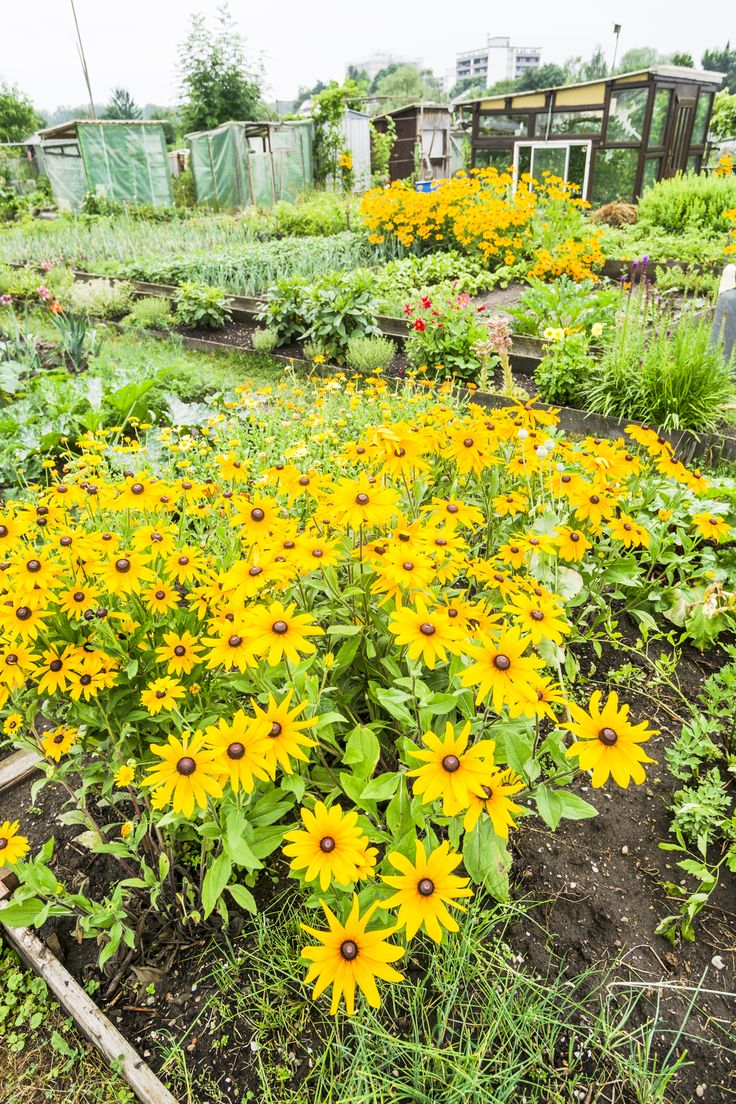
pixel 94 1024
pixel 14 768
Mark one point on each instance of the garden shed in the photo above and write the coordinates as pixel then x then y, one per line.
pixel 356 133
pixel 612 137
pixel 123 159
pixel 423 142
pixel 239 164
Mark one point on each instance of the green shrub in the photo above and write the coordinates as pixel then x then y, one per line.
pixel 264 341
pixel 200 306
pixel 320 214
pixel 98 298
pixel 340 306
pixel 561 375
pixel 284 311
pixel 563 304
pixel 151 313
pixel 444 337
pixel 368 355
pixel 689 200
pixel 665 374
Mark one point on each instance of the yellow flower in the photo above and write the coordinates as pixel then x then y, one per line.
pixel 162 693
pixel 348 956
pixel 498 788
pixel 286 736
pixel 189 771
pixel 607 742
pixel 452 770
pixel 425 888
pixel 59 741
pixel 243 744
pixel 427 634
pixel 12 846
pixel 277 633
pixel 331 845
pixel 124 775
pixel 502 671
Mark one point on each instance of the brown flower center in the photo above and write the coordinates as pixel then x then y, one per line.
pixel 451 763
pixel 33 566
pixel 122 566
pixel 257 514
pixel 574 537
pixel 160 595
pixel 427 629
pixel 537 615
pixel 280 627
pixel 452 508
pixel 55 665
pixel 276 729
pixel 160 694
pixel 327 844
pixel 235 641
pixel 501 662
pixel 3 843
pixel 255 570
pixel 235 750
pixel 186 766
pixel 349 950
pixel 468 442
pixel 362 499
pixel 426 887
pixel 180 650
pixel 608 736
pixel 23 613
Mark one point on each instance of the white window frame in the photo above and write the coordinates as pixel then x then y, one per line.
pixel 565 144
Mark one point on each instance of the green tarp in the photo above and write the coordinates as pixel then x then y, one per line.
pixel 126 161
pixel 239 164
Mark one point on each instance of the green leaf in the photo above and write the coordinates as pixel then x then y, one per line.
pixel 243 897
pixel 487 859
pixel 556 805
pixel 381 788
pixel 362 751
pixel 398 811
pixel 20 914
pixel 215 880
pixel 392 701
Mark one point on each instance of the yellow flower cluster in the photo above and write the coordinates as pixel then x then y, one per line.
pixel 731 247
pixel 478 213
pixel 576 259
pixel 724 166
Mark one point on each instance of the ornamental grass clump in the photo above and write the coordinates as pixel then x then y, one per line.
pixel 333 634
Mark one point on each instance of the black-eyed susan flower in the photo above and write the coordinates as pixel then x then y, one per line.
pixel 188 773
pixel 498 789
pixel 162 695
pixel 502 671
pixel 453 512
pixel 180 651
pixel 538 615
pixel 242 744
pixel 607 742
pixel 230 648
pixel 571 544
pixel 12 845
pixel 711 526
pixel 12 724
pixel 452 770
pixel 77 599
pixel 628 531
pixel 427 634
pixel 287 738
pixel 424 889
pixel 160 597
pixel 125 574
pixel 331 845
pixel 59 741
pixel 349 957
pixel 279 632
pixel 55 667
pixel 362 503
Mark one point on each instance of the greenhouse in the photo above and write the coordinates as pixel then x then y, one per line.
pixel 239 164
pixel 612 137
pixel 125 160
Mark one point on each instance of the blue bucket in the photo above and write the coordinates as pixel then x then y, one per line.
pixel 425 186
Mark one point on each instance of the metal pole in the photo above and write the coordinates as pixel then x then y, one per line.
pixel 617 32
pixel 82 58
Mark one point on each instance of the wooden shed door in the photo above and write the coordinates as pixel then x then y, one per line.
pixel 680 130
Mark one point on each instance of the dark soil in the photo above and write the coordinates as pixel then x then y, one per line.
pixel 595 896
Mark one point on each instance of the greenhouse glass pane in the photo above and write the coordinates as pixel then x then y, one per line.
pixel 626 115
pixel 659 117
pixel 614 175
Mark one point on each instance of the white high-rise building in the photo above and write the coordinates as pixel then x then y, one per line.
pixel 497 60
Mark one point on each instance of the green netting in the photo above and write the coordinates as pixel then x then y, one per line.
pixel 18 170
pixel 65 170
pixel 126 161
pixel 238 164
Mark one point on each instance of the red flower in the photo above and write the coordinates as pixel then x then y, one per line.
pixel 426 302
pixel 408 309
pixel 482 307
pixel 419 325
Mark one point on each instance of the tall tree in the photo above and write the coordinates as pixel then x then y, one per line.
pixel 545 76
pixel 122 106
pixel 640 57
pixel 683 58
pixel 216 80
pixel 723 119
pixel 18 117
pixel 399 85
pixel 722 61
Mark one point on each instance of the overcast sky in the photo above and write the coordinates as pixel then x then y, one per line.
pixel 133 44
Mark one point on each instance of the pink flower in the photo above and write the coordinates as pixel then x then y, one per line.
pixel 45 266
pixel 463 299
pixel 43 292
pixel 5 300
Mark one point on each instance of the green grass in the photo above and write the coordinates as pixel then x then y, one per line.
pixel 42 1057
pixel 472 1024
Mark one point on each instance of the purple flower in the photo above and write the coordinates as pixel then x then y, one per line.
pixel 5 300
pixel 43 292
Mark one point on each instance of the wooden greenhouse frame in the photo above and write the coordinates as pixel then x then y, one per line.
pixel 636 128
pixel 422 140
